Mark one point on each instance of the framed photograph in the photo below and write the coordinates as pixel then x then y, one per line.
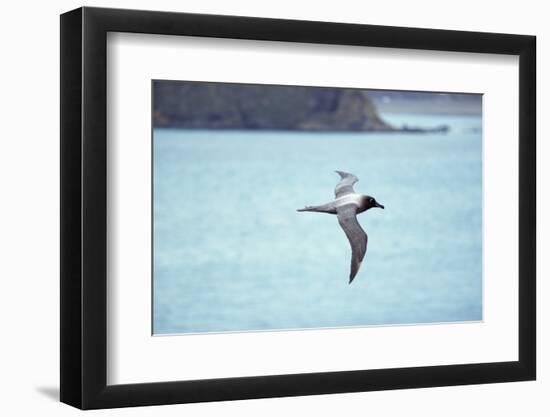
pixel 259 208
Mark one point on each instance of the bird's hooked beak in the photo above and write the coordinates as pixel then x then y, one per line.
pixel 377 204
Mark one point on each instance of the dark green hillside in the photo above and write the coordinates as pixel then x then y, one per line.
pixel 240 106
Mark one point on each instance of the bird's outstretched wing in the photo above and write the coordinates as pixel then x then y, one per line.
pixel 345 186
pixel 356 236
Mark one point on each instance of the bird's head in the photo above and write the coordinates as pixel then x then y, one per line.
pixel 371 202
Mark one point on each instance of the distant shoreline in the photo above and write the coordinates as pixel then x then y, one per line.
pixel 436 105
pixel 404 129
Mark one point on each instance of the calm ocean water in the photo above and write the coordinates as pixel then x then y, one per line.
pixel 232 254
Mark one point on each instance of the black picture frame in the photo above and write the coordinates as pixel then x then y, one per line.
pixel 84 208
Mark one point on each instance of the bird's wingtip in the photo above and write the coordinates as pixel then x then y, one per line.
pixel 343 174
pixel 353 274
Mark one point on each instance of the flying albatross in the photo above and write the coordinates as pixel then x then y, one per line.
pixel 346 206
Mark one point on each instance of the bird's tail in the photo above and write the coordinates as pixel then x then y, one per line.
pixel 310 208
pixel 323 208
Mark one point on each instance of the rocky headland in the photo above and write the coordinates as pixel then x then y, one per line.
pixel 201 105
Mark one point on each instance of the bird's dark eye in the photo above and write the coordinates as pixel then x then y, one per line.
pixel 371 200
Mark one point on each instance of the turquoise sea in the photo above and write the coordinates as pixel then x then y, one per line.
pixel 232 254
